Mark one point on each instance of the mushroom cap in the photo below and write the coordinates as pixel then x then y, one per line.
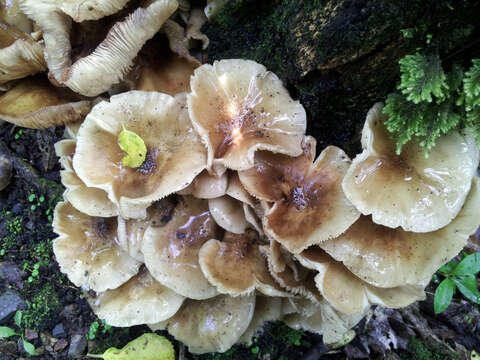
pixel 228 213
pixel 387 257
pixel 87 250
pixel 131 232
pixel 141 300
pixel 10 13
pixel 171 251
pixel 417 193
pixel 206 186
pixel 35 103
pixel 88 200
pixel 178 41
pixel 288 275
pixel 235 265
pixel 212 325
pixel 175 154
pixel 238 107
pixel 81 10
pixel 267 308
pixel 236 190
pixel 21 59
pixel 310 206
pixel 349 294
pixel 193 31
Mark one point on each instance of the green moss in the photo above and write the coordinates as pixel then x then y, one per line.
pixel 42 309
pixel 420 351
pixel 287 335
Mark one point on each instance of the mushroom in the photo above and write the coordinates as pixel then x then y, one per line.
pixel 141 300
pixel 349 294
pixel 11 14
pixel 171 251
pixel 207 186
pixel 212 325
pixel 411 191
pixel 174 157
pixel 236 267
pixel 131 232
pixel 238 107
pixel 87 250
pixel 229 214
pixel 20 55
pixel 196 20
pixel 386 257
pixel 35 103
pixel 82 10
pixel 178 41
pixel 113 57
pixel 267 308
pixel 310 206
pixel 5 170
pixel 88 200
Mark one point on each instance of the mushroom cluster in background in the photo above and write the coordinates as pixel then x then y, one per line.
pixel 198 205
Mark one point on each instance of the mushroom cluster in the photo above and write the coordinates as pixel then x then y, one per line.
pixel 216 215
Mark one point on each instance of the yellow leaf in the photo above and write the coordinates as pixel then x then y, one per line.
pixel 135 148
pixel 145 347
pixel 474 355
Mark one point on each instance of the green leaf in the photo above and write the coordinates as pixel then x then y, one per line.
pixel 135 148
pixel 470 265
pixel 6 332
pixel 468 287
pixel 29 348
pixel 443 295
pixel 422 77
pixel 471 85
pixel 145 347
pixel 448 267
pixel 18 318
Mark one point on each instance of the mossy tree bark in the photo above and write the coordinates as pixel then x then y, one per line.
pixel 339 57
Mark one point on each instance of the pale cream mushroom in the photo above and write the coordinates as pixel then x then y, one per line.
pixel 20 54
pixel 238 108
pixel 174 157
pixel 208 186
pixel 11 14
pixel 193 31
pixel 132 231
pixel 171 251
pixel 87 250
pixel 88 200
pixel 229 214
pixel 409 190
pixel 349 294
pixel 236 267
pixel 178 41
pixel 290 276
pixel 141 300
pixel 387 257
pixel 267 308
pixel 212 325
pixel 113 57
pixel 35 103
pixel 81 10
pixel 310 206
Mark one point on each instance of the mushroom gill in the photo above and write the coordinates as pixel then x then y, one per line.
pixel 238 107
pixel 409 190
pixel 174 157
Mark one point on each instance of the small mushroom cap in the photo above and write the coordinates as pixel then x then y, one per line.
pixel 81 10
pixel 87 250
pixel 21 59
pixel 10 13
pixel 206 186
pixel 175 154
pixel 212 325
pixel 236 190
pixel 193 31
pixel 310 206
pixel 90 201
pixel 387 257
pixel 235 266
pixel 131 232
pixel 417 193
pixel 288 276
pixel 228 213
pixel 349 294
pixel 238 107
pixel 171 251
pixel 35 103
pixel 267 308
pixel 178 41
pixel 141 300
